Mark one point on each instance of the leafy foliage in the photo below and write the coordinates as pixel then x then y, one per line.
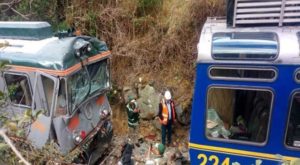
pixel 51 11
pixel 16 130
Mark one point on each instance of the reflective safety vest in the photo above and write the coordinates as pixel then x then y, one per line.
pixel 165 113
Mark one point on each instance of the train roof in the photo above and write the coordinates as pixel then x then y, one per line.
pixel 41 49
pixel 261 44
pixel 25 30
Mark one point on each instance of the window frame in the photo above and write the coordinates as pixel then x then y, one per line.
pixel 275 70
pixel 95 93
pixel 29 85
pixel 39 81
pixel 295 75
pixel 49 107
pixel 246 59
pixel 288 120
pixel 108 67
pixel 67 79
pixel 67 96
pixel 298 38
pixel 253 88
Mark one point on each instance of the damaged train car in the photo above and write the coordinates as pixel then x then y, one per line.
pixel 66 77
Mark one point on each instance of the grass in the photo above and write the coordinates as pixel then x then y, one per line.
pixel 153 39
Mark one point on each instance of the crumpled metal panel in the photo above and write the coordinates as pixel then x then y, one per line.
pixel 57 54
pixel 89 118
pixel 64 136
pixel 39 131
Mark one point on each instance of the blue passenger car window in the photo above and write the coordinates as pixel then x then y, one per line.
pixel 245 45
pixel 298 36
pixel 297 76
pixel 238 115
pixel 293 129
pixel 238 73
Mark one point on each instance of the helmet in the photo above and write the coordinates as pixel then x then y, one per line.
pixel 167 95
pixel 161 148
pixel 130 98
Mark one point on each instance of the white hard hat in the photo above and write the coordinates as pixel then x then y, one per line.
pixel 168 95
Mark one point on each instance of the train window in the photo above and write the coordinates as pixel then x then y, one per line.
pixel 245 45
pixel 18 89
pixel 251 74
pixel 48 86
pixel 61 107
pixel 298 36
pixel 238 115
pixel 293 131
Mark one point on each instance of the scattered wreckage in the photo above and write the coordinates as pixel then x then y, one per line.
pixel 66 76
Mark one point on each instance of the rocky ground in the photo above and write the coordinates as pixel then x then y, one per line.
pixel 175 155
pixel 149 130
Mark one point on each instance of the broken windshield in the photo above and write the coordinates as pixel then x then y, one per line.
pixel 93 78
pixel 99 74
pixel 78 87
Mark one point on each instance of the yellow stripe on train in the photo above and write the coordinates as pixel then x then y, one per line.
pixel 240 152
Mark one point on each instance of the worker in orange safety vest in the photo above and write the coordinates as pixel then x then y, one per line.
pixel 167 116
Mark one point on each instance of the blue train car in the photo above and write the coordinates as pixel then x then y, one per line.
pixel 246 107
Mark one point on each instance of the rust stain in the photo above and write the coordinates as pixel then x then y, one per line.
pixel 60 72
pixel 39 126
pixel 74 122
pixel 100 100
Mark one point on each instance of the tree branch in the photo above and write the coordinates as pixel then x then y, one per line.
pixel 8 141
pixel 10 7
pixel 22 15
pixel 9 4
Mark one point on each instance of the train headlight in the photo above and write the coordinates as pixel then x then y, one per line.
pixel 81 47
pixel 89 47
pixel 78 137
pixel 104 114
pixel 77 53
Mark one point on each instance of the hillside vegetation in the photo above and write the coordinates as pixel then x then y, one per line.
pixel 152 39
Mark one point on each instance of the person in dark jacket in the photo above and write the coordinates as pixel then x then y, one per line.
pixel 133 119
pixel 167 117
pixel 127 155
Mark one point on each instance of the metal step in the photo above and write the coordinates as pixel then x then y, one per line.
pixel 266 12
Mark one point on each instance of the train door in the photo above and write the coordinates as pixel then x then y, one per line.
pixel 45 91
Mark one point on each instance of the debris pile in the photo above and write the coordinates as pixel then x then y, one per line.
pixel 125 153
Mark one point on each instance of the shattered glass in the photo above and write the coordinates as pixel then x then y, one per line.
pixel 78 87
pixel 99 74
pixel 18 89
pixel 93 78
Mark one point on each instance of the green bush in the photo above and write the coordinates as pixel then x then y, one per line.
pixel 52 11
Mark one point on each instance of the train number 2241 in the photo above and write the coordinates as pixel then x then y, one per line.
pixel 213 159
